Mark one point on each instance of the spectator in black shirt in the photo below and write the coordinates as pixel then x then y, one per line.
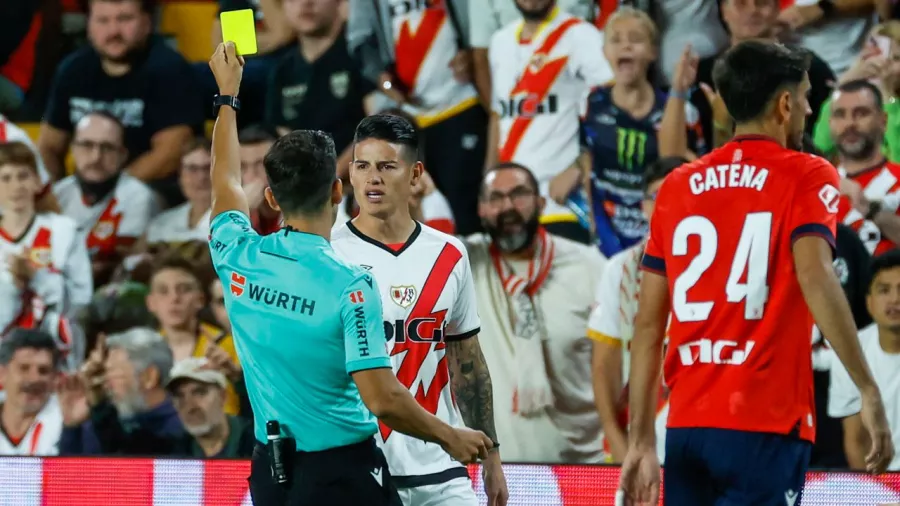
pixel 198 393
pixel 137 78
pixel 746 20
pixel 318 85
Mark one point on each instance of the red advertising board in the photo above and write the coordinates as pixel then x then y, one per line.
pixel 162 482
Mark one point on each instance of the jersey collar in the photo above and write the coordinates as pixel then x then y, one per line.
pixel 412 237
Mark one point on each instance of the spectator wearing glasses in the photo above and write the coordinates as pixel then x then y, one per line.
pixel 30 418
pixel 188 221
pixel 137 78
pixel 534 292
pixel 118 403
pixel 177 296
pixel 110 207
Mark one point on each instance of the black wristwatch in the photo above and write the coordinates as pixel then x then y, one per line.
pixel 827 7
pixel 230 101
pixel 875 207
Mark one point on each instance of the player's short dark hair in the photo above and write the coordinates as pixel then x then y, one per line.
pixel 532 181
pixel 391 128
pixel 883 262
pixel 257 134
pixel 659 169
pixel 301 168
pixel 863 84
pixel 396 111
pixel 749 75
pixel 19 338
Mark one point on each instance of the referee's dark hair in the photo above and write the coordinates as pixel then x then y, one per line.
pixel 301 168
pixel 749 75
pixel 884 262
pixel 19 338
pixel 390 128
pixel 659 169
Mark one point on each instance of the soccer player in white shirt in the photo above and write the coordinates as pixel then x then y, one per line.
pixel 430 312
pixel 30 417
pixel 110 207
pixel 880 344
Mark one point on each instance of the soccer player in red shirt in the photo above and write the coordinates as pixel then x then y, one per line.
pixel 740 254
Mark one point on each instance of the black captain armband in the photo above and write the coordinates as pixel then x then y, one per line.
pixel 230 101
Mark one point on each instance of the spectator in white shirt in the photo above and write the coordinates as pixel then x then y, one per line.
pixel 188 221
pixel 881 348
pixel 30 417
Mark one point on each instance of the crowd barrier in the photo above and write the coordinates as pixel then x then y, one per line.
pixel 28 481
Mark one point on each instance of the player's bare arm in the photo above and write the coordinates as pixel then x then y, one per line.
pixel 225 171
pixel 470 382
pixel 831 311
pixel 856 442
pixel 392 403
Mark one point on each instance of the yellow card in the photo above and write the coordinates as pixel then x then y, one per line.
pixel 240 27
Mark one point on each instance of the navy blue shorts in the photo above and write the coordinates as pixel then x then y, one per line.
pixel 719 467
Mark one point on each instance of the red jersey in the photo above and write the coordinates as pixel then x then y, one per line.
pixel 739 354
pixel 881 182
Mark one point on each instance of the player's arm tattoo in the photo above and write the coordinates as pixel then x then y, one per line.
pixel 471 384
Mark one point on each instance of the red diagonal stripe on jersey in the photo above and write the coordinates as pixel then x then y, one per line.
pixel 416 353
pixel 3 134
pixel 413 47
pixel 536 84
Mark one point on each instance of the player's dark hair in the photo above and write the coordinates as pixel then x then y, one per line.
pixel 302 167
pixel 532 181
pixel 863 84
pixel 749 75
pixel 659 169
pixel 883 262
pixel 390 128
pixel 19 338
pixel 396 111
pixel 257 134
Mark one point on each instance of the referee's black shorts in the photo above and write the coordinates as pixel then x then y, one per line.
pixel 354 475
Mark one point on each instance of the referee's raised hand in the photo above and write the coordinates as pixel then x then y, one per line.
pixel 228 68
pixel 469 446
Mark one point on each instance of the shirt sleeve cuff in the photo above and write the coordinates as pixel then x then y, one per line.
pixel 814 229
pixel 653 264
pixel 368 363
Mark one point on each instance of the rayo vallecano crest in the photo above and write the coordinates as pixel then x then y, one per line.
pixel 403 296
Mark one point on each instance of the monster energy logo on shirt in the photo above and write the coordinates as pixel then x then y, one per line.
pixel 631 148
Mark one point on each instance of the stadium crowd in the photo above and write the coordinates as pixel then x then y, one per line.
pixel 115 336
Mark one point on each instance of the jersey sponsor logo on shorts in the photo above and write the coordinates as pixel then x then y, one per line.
pixel 403 296
pixel 357 297
pixel 830 197
pixel 376 473
pixel 237 284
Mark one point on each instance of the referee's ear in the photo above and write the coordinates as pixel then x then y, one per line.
pixel 337 192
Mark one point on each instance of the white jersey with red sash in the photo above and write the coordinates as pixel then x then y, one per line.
pixel 429 298
pixel 41 438
pixel 879 183
pixel 61 284
pixel 539 87
pixel 115 221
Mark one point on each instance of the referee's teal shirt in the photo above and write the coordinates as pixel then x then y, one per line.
pixel 302 321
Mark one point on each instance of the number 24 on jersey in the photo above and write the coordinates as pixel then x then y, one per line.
pixel 751 256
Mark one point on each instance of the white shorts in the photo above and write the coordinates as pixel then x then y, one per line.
pixel 456 492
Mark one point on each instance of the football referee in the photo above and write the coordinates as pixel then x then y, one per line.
pixel 308 327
